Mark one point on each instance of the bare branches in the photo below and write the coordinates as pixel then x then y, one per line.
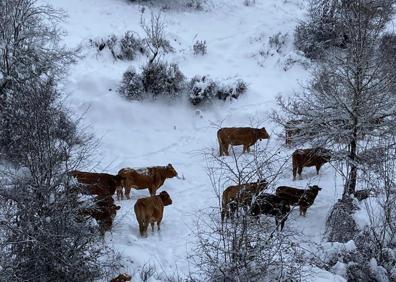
pixel 244 247
pixel 349 104
pixel 155 40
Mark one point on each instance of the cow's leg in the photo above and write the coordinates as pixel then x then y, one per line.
pixel 299 171
pixel 127 192
pixel 226 149
pixel 141 228
pixel 152 191
pixel 152 226
pixel 221 149
pixel 294 172
pixel 303 210
pixel 282 223
pixel 318 168
pixel 223 215
pixel 159 223
pixel 119 194
pixel 248 148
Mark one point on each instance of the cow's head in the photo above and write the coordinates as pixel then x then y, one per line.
pixel 117 180
pixel 113 211
pixel 263 134
pixel 315 188
pixel 255 209
pixel 323 153
pixel 171 172
pixel 262 184
pixel 165 198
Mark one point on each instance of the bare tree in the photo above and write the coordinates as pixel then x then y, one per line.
pixel 42 235
pixel 380 179
pixel 350 100
pixel 29 43
pixel 155 40
pixel 243 248
pixel 30 50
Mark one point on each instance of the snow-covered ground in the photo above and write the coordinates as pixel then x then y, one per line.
pixel 139 134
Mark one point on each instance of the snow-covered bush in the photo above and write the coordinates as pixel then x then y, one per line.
pixel 126 47
pixel 132 85
pixel 329 21
pixel 313 38
pixel 200 48
pixel 341 226
pixel 277 41
pixel 173 4
pixel 195 4
pixel 387 53
pixel 202 89
pixel 162 79
pixel 130 46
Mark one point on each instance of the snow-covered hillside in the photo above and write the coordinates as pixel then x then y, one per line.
pixel 139 134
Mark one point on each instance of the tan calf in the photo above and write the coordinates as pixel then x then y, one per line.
pixel 150 210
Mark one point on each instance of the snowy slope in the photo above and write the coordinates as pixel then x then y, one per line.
pixel 138 134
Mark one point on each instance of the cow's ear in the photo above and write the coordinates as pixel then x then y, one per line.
pixel 117 207
pixel 169 165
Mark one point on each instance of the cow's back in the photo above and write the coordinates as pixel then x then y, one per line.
pixel 270 204
pixel 291 195
pixel 237 135
pixel 149 208
pixel 93 177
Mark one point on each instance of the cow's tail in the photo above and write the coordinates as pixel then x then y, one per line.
pixel 141 218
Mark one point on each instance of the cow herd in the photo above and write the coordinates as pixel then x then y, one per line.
pixel 249 196
pixel 148 210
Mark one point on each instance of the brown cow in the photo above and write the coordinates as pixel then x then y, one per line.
pixel 151 178
pixel 103 212
pixel 239 196
pixel 309 157
pixel 150 210
pixel 271 205
pixel 298 197
pixel 101 184
pixel 234 136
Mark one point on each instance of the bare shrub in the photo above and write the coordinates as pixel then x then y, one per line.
pixel 155 41
pixel 200 48
pixel 244 248
pixel 132 85
pixel 125 48
pixel 277 41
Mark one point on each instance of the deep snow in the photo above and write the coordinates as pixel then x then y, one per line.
pixel 139 134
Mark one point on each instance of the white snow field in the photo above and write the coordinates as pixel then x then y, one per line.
pixel 139 134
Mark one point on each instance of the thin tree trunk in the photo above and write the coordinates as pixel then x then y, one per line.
pixel 350 185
